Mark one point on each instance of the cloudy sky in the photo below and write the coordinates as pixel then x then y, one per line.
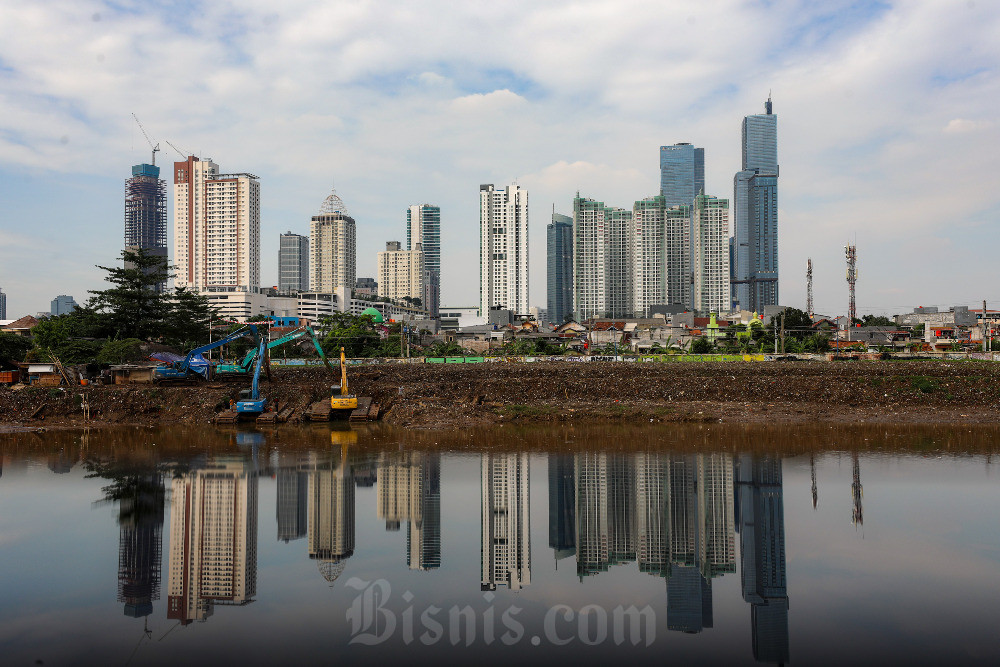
pixel 888 131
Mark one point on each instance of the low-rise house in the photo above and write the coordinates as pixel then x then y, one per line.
pixel 21 326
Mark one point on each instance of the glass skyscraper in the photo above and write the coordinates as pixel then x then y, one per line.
pixel 682 173
pixel 559 274
pixel 423 226
pixel 755 252
pixel 293 263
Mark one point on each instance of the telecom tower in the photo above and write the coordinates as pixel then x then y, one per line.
pixel 809 287
pixel 851 252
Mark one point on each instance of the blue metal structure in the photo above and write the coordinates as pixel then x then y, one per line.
pixel 187 369
pixel 251 401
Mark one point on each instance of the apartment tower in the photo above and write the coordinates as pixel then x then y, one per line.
pixel 332 245
pixel 401 272
pixel 710 255
pixel 602 260
pixel 503 249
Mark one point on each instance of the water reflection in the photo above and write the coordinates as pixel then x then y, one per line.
pixel 409 489
pixel 506 522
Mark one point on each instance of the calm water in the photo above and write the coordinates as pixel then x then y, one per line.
pixel 705 545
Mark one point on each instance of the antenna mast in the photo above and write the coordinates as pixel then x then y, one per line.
pixel 851 252
pixel 809 287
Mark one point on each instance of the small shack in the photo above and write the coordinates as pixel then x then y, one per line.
pixel 131 374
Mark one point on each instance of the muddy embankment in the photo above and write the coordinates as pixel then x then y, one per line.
pixel 459 395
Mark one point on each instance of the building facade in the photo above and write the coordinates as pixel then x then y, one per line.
pixel 62 305
pixel 401 272
pixel 293 263
pixel 3 305
pixel 503 248
pixel 332 245
pixel 710 255
pixel 682 173
pixel 602 260
pixel 559 268
pixel 146 213
pixel 755 198
pixel 409 489
pixel 423 227
pixel 506 521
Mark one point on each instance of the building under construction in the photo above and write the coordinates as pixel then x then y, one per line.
pixel 146 212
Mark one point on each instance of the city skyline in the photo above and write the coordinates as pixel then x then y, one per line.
pixel 438 122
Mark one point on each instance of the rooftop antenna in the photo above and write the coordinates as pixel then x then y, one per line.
pixel 767 105
pixel 155 148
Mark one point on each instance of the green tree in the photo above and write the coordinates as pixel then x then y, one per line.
pixel 701 346
pixel 133 307
pixel 13 347
pixel 120 351
pixel 876 321
pixel 189 319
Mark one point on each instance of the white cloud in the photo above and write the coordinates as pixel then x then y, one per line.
pixel 964 125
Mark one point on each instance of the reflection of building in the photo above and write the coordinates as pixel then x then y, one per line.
pixel 506 526
pixel 761 522
pixel 331 515
pixel 140 544
pixel 562 505
pixel 409 489
pixel 292 503
pixel 653 539
pixel 213 539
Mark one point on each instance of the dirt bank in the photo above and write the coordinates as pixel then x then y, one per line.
pixel 458 395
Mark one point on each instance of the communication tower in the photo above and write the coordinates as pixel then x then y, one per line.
pixel 851 252
pixel 809 287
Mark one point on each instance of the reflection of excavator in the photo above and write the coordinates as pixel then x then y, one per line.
pixel 342 402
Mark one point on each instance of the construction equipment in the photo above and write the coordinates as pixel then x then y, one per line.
pixel 251 403
pixel 342 402
pixel 190 367
pixel 243 368
pixel 155 148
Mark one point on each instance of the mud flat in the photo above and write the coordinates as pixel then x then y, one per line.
pixel 465 395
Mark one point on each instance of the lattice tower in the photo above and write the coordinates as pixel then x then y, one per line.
pixel 851 252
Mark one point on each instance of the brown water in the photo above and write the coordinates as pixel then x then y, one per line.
pixel 695 544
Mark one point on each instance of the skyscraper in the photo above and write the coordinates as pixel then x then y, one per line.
pixel 216 228
pixel 710 255
pixel 62 304
pixel 146 213
pixel 3 305
pixel 409 489
pixel 503 249
pixel 506 521
pixel 660 245
pixel 562 505
pixel 755 193
pixel 559 267
pixel 332 244
pixel 602 260
pixel 293 263
pixel 401 272
pixel 140 543
pixel 423 228
pixel 682 173
pixel 292 503
pixel 331 514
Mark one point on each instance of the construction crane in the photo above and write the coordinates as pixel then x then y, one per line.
pixel 149 141
pixel 183 155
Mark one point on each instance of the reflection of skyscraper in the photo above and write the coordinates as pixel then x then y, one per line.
pixel 653 539
pixel 689 600
pixel 409 489
pixel 140 544
pixel 562 505
pixel 593 532
pixel 762 554
pixel 292 503
pixel 331 515
pixel 506 526
pixel 213 539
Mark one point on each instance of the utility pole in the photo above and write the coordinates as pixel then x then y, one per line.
pixel 782 332
pixel 987 343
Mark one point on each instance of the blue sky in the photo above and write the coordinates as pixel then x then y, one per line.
pixel 887 125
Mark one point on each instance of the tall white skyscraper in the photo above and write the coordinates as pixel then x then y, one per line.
pixel 660 242
pixel 503 248
pixel 216 228
pixel 602 260
pixel 401 272
pixel 332 247
pixel 506 523
pixel 710 254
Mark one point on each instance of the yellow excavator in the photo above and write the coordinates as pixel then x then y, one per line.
pixel 342 402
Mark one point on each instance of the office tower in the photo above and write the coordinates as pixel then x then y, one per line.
pixel 140 543
pixel 762 554
pixel 213 539
pixel 146 213
pixel 682 173
pixel 503 249
pixel 401 272
pixel 331 514
pixel 409 489
pixel 332 244
pixel 710 255
pixel 755 198
pixel 602 260
pixel 562 505
pixel 293 263
pixel 62 305
pixel 506 523
pixel 559 268
pixel 689 600
pixel 3 305
pixel 216 228
pixel 423 227
pixel 292 503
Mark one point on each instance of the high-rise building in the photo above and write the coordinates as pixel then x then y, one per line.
pixel 660 244
pixel 62 304
pixel 216 228
pixel 3 305
pixel 503 249
pixel 652 521
pixel 332 244
pixel 331 515
pixel 409 489
pixel 710 255
pixel 559 267
pixel 293 263
pixel 682 173
pixel 562 505
pixel 755 196
pixel 506 521
pixel 401 272
pixel 292 503
pixel 602 260
pixel 213 539
pixel 146 213
pixel 423 227
pixel 140 544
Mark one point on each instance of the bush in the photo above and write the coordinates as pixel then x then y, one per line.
pixel 701 346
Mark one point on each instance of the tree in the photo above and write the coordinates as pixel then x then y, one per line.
pixel 876 321
pixel 133 306
pixel 701 346
pixel 120 351
pixel 13 347
pixel 189 319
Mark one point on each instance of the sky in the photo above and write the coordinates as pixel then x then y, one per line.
pixel 888 125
